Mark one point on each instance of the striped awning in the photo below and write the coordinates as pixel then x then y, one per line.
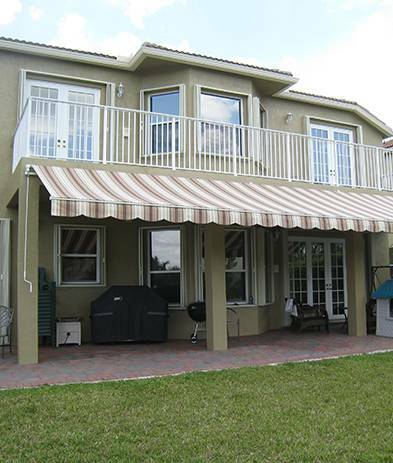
pixel 100 193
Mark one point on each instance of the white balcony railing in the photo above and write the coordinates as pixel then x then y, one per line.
pixel 71 131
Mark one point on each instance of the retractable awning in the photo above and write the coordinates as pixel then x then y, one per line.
pixel 100 193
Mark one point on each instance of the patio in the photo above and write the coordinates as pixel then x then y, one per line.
pixel 91 363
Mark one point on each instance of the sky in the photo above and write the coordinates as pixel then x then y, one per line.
pixel 340 48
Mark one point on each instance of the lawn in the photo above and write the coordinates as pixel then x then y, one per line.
pixel 329 411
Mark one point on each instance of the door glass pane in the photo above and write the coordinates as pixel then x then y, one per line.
pixel 337 268
pixel 318 274
pixel 320 155
pixel 43 121
pixel 343 157
pixel 298 288
pixel 80 125
pixel 218 138
pixel 162 125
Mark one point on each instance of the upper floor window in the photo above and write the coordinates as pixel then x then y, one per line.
pixel 162 128
pixel 222 138
pixel 165 103
pixel 221 108
pixel 332 154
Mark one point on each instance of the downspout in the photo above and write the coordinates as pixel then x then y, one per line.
pixel 27 184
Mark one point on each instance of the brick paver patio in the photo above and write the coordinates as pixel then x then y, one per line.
pixel 89 363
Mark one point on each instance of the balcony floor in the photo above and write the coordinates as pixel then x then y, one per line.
pixel 92 363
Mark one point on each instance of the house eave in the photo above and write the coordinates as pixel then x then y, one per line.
pixel 346 106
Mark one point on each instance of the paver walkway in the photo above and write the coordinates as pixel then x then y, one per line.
pixel 89 363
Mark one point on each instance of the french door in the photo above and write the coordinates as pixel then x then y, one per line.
pixel 332 160
pixel 64 121
pixel 317 273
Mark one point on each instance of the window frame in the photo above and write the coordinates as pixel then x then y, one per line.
pixel 250 262
pixel 100 256
pixel 144 246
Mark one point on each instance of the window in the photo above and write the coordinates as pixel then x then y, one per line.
pixel 391 308
pixel 161 124
pixel 237 269
pixel 220 138
pixel 332 154
pixel 80 255
pixel 162 263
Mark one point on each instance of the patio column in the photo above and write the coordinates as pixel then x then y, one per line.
pixel 27 269
pixel 379 253
pixel 216 312
pixel 357 284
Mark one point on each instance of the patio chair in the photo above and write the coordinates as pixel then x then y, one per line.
pixel 311 317
pixel 6 315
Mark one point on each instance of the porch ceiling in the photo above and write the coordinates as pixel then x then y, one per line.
pixel 98 194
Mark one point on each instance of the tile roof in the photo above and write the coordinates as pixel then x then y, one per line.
pixel 55 47
pixel 338 100
pixel 221 60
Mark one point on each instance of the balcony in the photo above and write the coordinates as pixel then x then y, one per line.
pixel 102 134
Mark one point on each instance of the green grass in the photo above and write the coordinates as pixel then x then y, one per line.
pixel 329 411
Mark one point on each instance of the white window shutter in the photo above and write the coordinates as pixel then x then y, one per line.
pixel 5 261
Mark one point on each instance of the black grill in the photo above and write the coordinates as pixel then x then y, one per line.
pixel 129 313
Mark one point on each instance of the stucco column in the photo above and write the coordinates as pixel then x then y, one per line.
pixel 356 283
pixel 27 269
pixel 379 253
pixel 216 313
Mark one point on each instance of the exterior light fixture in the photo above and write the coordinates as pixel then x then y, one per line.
pixel 289 118
pixel 120 90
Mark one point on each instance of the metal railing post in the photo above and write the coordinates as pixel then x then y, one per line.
pixel 104 134
pixel 234 150
pixel 289 164
pixel 173 141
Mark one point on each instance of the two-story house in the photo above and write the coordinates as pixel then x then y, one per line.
pixel 203 178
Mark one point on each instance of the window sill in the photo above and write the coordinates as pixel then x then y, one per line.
pixel 82 285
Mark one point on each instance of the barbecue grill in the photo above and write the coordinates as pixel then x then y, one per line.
pixel 197 313
pixel 129 313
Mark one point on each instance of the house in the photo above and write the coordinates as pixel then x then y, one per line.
pixel 388 143
pixel 200 177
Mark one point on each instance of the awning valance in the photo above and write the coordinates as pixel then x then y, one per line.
pixel 100 193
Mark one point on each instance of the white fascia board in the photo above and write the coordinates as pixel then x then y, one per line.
pixel 346 106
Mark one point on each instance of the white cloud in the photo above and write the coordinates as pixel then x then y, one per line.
pixel 358 67
pixel 72 32
pixel 9 9
pixel 138 10
pixel 35 13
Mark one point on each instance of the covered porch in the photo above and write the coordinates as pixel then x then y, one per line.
pixel 270 215
pixel 91 363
